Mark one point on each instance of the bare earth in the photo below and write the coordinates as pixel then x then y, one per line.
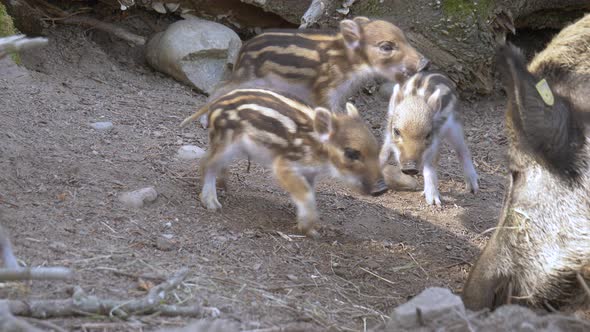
pixel 60 179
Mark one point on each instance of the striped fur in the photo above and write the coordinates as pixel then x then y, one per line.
pixel 295 140
pixel 422 113
pixel 323 67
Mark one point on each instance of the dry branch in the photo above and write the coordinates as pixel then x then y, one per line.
pixel 55 14
pixel 83 304
pixel 9 323
pixel 35 273
pixel 19 42
pixel 106 27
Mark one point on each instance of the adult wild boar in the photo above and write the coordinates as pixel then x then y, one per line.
pixel 540 250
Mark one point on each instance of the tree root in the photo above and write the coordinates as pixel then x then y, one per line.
pixel 83 304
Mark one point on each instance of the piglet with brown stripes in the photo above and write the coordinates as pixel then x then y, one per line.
pixel 299 143
pixel 423 112
pixel 324 67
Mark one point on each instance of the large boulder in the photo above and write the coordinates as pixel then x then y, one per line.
pixel 194 51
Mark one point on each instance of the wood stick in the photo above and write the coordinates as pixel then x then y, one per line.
pixel 83 304
pixel 35 273
pixel 106 27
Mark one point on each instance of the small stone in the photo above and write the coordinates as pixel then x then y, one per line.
pixel 190 152
pixel 102 125
pixel 58 246
pixel 165 244
pixel 449 247
pixel 137 198
pixel 292 277
pixel 168 236
pixel 433 302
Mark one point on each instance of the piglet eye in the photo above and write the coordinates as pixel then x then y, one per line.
pixel 387 47
pixel 396 132
pixel 352 154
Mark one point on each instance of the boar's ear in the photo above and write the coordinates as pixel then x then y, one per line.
pixel 394 100
pixel 322 123
pixel 352 110
pixel 351 32
pixel 544 121
pixel 434 101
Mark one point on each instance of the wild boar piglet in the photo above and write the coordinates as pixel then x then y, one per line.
pixel 298 142
pixel 423 112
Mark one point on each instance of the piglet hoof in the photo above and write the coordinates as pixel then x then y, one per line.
pixel 471 184
pixel 312 233
pixel 309 230
pixel 473 188
pixel 210 203
pixel 204 121
pixel 379 188
pixel 432 198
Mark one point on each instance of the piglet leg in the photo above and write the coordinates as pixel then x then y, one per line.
pixel 301 193
pixel 457 140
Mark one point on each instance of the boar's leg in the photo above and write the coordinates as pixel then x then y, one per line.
pixel 302 194
pixel 457 140
pixel 430 177
pixel 485 287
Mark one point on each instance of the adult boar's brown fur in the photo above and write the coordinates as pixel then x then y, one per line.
pixel 541 246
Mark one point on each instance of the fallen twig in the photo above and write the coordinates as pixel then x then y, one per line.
pixel 6 248
pixel 378 276
pixel 106 27
pixel 35 273
pixel 10 323
pixel 16 43
pixel 83 304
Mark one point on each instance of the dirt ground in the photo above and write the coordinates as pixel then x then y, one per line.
pixel 60 181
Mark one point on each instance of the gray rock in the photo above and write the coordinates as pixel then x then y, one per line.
pixel 432 303
pixel 102 125
pixel 165 243
pixel 194 51
pixel 137 198
pixel 190 152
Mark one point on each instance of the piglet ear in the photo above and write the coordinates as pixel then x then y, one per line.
pixel 351 33
pixel 394 100
pixel 434 101
pixel 322 123
pixel 352 110
pixel 361 20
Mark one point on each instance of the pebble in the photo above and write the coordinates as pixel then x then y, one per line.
pixel 432 303
pixel 102 125
pixel 137 198
pixel 190 152
pixel 164 243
